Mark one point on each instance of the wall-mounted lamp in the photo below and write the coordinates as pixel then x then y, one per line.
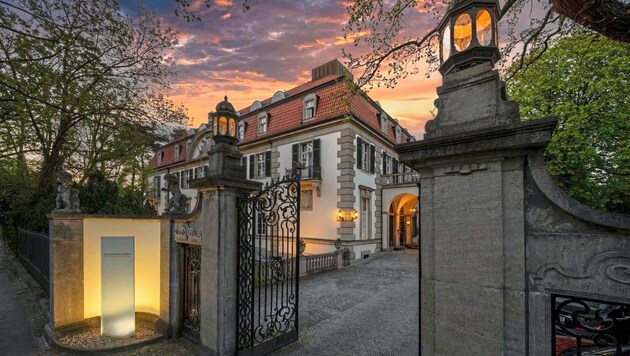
pixel 413 210
pixel 347 215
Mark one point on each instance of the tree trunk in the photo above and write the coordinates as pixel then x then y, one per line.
pixel 611 18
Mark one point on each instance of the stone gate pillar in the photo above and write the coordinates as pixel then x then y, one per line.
pixel 471 162
pixel 219 191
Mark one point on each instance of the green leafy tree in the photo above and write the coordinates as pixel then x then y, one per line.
pixel 584 80
pixel 74 69
pixel 100 195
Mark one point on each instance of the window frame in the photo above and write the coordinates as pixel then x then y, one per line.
pixel 263 121
pixel 383 123
pixel 365 216
pixel 261 163
pixel 242 126
pixel 310 98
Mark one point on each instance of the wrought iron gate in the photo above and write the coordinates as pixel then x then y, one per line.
pixel 268 267
pixel 191 299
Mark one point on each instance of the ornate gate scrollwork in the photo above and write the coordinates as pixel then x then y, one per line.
pixel 192 269
pixel 268 262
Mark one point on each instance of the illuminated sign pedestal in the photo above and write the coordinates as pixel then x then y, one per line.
pixel 118 318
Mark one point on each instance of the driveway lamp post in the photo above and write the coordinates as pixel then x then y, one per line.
pixel 224 123
pixel 468 35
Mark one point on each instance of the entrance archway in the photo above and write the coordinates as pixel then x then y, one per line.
pixel 403 229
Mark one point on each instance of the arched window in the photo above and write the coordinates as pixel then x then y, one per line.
pixel 255 106
pixel 279 95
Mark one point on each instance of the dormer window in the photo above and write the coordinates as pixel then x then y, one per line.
pixel 310 106
pixel 263 121
pixel 279 95
pixel 160 157
pixel 178 148
pixel 383 122
pixel 241 129
pixel 255 106
pixel 398 134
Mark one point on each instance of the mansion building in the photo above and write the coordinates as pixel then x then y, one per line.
pixel 352 186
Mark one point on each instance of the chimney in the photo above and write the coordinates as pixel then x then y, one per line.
pixel 332 67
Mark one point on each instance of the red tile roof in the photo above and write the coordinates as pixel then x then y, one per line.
pixel 286 115
pixel 169 152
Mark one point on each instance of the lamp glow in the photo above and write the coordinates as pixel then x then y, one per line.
pixel 347 215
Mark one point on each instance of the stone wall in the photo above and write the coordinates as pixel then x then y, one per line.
pixel 571 250
pixel 347 186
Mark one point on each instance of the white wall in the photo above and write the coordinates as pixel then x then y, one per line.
pixel 321 222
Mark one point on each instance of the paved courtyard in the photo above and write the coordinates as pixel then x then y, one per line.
pixel 370 309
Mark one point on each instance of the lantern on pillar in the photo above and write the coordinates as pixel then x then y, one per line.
pixel 468 35
pixel 224 123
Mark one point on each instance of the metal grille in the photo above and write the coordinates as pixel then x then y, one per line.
pixel 584 326
pixel 192 267
pixel 33 254
pixel 268 267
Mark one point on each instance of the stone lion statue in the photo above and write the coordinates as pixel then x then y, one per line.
pixel 67 196
pixel 178 200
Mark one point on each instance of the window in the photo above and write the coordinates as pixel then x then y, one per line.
pixel 255 106
pixel 383 121
pixel 263 119
pixel 279 95
pixel 388 164
pixel 199 172
pixel 177 151
pixel 241 130
pixel 260 165
pixel 309 109
pixel 184 177
pixel 398 134
pixel 160 157
pixel 310 106
pixel 261 225
pixel 307 155
pixel 189 174
pixel 364 217
pixel 365 155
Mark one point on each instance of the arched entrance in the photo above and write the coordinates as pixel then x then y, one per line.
pixel 403 228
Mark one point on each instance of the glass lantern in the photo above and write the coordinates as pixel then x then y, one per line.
pixel 468 35
pixel 224 122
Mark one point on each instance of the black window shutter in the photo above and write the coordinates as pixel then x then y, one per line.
pixel 395 166
pixel 244 161
pixel 372 158
pixel 295 154
pixel 316 154
pixel 251 166
pixel 384 164
pixel 359 152
pixel 268 164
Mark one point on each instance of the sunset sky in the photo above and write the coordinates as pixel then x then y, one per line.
pixel 251 55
